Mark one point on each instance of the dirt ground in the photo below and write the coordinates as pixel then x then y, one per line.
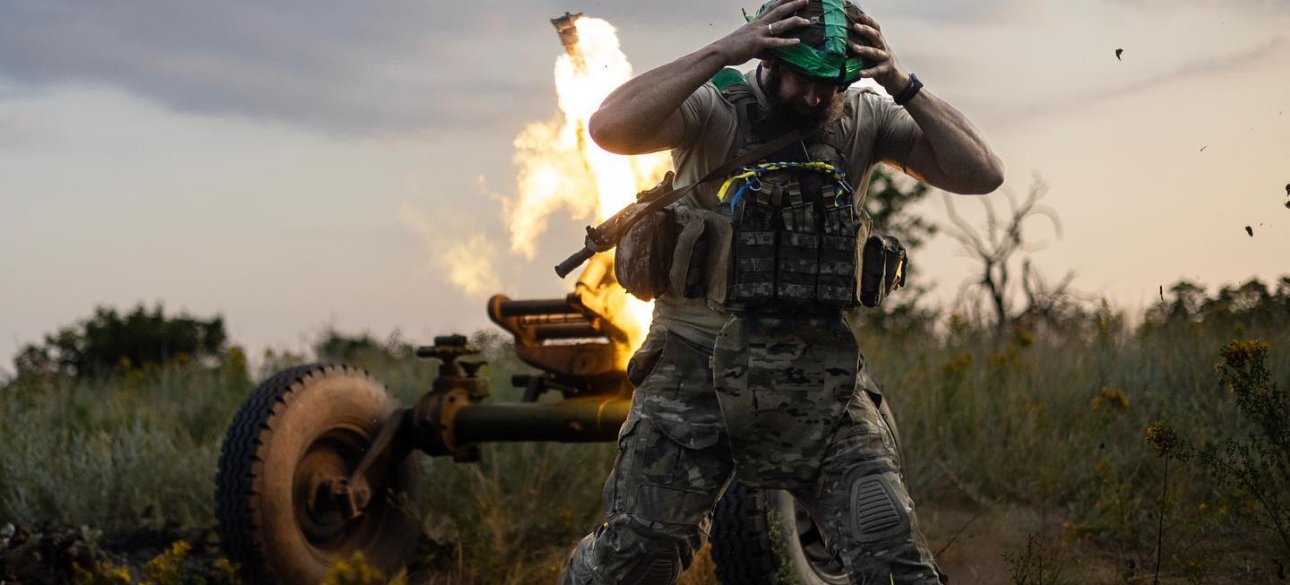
pixel 970 545
pixel 974 547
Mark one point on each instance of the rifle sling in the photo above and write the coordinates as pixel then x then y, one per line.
pixel 596 237
pixel 728 168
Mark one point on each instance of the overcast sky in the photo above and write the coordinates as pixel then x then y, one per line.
pixel 258 160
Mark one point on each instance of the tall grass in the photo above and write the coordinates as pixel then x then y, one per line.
pixel 1053 421
pixel 1057 422
pixel 115 453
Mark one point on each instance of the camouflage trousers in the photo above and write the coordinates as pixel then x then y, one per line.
pixel 675 461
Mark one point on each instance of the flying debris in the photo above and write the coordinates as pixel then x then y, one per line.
pixel 568 31
pixel 1117 54
pixel 1162 293
pixel 1249 230
pixel 1202 149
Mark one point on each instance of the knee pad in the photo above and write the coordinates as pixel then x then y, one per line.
pixel 877 508
pixel 655 569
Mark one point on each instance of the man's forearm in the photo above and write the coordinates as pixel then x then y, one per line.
pixel 965 161
pixel 642 115
pixel 951 154
pixel 632 115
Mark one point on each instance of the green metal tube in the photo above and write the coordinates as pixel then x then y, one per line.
pixel 575 420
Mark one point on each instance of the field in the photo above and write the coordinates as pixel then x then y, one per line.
pixel 1072 452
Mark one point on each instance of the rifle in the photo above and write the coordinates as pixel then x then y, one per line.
pixel 607 235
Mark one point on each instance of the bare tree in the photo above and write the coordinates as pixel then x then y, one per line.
pixel 1053 304
pixel 998 247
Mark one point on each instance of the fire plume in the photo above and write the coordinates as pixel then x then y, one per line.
pixel 560 167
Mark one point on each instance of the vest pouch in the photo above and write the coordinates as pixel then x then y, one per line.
pixel 836 285
pixel 644 257
pixel 798 260
pixel 883 270
pixel 700 252
pixel 752 251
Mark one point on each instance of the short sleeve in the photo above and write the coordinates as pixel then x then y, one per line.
pixel 695 112
pixel 894 132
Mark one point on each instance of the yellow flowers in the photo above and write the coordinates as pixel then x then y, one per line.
pixel 1244 363
pixel 105 573
pixel 165 568
pixel 1163 438
pixel 168 567
pixel 1111 398
pixel 356 571
pixel 957 366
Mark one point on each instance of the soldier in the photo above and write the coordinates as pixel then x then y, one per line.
pixel 791 405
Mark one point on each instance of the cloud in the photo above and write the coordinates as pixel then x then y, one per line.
pixel 726 15
pixel 1183 73
pixel 958 11
pixel 333 65
pixel 383 67
pixel 340 66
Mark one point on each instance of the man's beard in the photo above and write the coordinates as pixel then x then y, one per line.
pixel 783 114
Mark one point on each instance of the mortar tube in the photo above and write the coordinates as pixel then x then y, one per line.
pixel 574 420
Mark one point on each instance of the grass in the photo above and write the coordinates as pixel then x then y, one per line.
pixel 1051 422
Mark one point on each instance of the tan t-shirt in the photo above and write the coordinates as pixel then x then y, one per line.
pixel 878 131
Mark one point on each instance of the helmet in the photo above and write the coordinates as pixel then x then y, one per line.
pixel 823 51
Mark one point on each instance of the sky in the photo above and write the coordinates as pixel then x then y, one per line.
pixel 261 161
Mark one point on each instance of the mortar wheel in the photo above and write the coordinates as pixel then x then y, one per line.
pixel 765 537
pixel 293 437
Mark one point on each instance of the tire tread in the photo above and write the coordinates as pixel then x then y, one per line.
pixel 741 539
pixel 239 454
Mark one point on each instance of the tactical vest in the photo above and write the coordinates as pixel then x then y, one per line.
pixel 794 220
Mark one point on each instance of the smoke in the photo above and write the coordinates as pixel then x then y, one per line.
pixel 552 176
pixel 470 262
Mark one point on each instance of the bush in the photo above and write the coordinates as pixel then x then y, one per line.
pixel 109 343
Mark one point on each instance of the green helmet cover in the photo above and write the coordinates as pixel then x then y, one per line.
pixel 827 60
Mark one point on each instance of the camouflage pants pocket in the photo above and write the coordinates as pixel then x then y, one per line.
pixel 647 356
pixel 865 411
pixel 677 387
pixel 671 473
pixel 673 457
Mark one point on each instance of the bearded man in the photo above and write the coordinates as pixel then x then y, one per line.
pixel 760 303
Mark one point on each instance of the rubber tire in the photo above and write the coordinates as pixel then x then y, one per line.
pixel 296 412
pixel 755 538
pixel 755 541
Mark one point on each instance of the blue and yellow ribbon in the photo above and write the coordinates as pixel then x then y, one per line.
pixel 755 171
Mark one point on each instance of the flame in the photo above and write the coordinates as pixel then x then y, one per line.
pixel 561 167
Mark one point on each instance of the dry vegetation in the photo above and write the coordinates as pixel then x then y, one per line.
pixel 1028 451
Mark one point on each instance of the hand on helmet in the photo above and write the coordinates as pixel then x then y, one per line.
pixel 884 69
pixel 762 33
